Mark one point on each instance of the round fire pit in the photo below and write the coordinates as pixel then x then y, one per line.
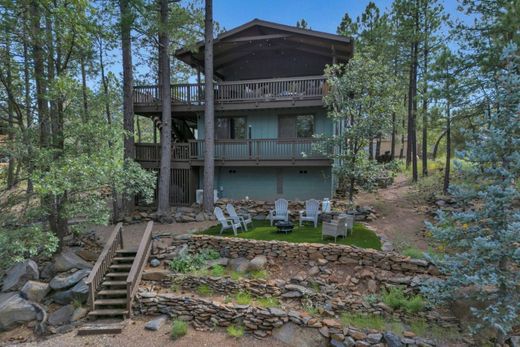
pixel 284 227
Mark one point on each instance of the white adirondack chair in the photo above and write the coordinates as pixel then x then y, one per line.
pixel 334 228
pixel 280 212
pixel 226 223
pixel 244 219
pixel 311 212
pixel 349 222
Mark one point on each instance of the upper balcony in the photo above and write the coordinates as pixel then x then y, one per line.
pixel 230 95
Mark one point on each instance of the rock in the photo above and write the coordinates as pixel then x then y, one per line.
pixel 67 260
pixel 336 343
pixel 349 341
pixel 200 217
pixel 332 323
pixel 79 313
pixel 87 255
pixel 324 331
pixel 372 286
pixel 358 335
pixel 14 309
pixel 296 336
pixel 314 271
pixel 35 291
pixel 515 341
pixel 257 263
pixel 20 273
pixel 66 280
pixel 301 289
pixel 61 316
pixel 408 334
pixel 156 275
pixel 48 271
pixel 220 261
pixel 156 323
pixel 238 264
pixel 322 261
pixel 392 340
pixel 79 293
pixel 155 262
pixel 374 338
pixel 292 294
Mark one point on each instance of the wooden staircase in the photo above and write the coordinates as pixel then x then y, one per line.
pixel 114 280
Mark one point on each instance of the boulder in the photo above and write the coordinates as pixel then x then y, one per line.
pixel 220 261
pixel 391 339
pixel 296 336
pixel 79 313
pixel 48 271
pixel 156 275
pixel 87 255
pixel 200 217
pixel 61 316
pixel 155 262
pixel 67 280
pixel 35 291
pixel 14 309
pixel 257 263
pixel 67 260
pixel 20 273
pixel 156 323
pixel 79 293
pixel 238 264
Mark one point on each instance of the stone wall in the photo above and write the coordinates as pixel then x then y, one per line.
pixel 206 314
pixel 303 252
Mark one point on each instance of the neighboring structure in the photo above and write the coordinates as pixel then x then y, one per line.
pixel 268 105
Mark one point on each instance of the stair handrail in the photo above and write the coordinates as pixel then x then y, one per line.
pixel 114 242
pixel 134 276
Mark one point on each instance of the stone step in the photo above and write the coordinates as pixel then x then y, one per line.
pixel 117 274
pixel 101 328
pixel 113 283
pixel 109 312
pixel 104 302
pixel 112 292
pixel 121 266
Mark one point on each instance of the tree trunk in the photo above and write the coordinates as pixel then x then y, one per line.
pixel 163 203
pixel 27 85
pixel 10 114
pixel 392 142
pixel 371 149
pixel 436 146
pixel 425 98
pixel 410 111
pixel 378 147
pixel 84 88
pixel 448 137
pixel 209 120
pixel 413 96
pixel 128 106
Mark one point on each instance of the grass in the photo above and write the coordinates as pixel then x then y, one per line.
pixel 218 271
pixel 179 329
pixel 259 274
pixel 363 321
pixel 413 252
pixel 204 290
pixel 235 331
pixel 261 230
pixel 396 299
pixel 235 275
pixel 267 302
pixel 243 298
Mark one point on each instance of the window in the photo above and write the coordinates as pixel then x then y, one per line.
pixel 230 128
pixel 295 126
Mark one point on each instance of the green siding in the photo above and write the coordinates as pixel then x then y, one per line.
pixel 260 183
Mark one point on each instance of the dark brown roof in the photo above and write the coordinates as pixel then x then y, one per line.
pixel 238 52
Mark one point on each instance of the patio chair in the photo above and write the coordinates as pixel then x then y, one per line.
pixel 334 228
pixel 245 219
pixel 280 211
pixel 349 221
pixel 226 223
pixel 311 212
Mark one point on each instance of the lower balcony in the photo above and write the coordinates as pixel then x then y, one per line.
pixel 250 152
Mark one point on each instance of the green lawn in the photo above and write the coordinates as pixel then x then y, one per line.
pixel 261 230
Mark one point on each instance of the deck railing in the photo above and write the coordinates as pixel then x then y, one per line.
pixel 250 149
pixel 293 88
pixel 114 242
pixel 136 271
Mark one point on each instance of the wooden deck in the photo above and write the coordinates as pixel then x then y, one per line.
pixel 230 95
pixel 250 152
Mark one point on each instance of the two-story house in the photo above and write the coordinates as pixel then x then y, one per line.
pixel 269 89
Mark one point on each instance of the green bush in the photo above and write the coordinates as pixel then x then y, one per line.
pixel 396 299
pixel 179 329
pixel 210 254
pixel 235 331
pixel 218 271
pixel 259 274
pixel 204 290
pixel 189 263
pixel 236 275
pixel 243 298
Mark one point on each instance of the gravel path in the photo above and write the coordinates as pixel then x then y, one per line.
pixel 134 334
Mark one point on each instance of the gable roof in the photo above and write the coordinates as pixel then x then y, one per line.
pixel 258 34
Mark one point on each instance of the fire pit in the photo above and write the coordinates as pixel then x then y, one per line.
pixel 284 227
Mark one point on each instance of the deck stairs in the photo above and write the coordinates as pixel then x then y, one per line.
pixel 113 283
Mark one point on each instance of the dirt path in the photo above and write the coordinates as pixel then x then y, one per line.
pixel 400 219
pixel 134 334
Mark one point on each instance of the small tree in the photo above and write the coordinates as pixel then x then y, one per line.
pixel 361 101
pixel 485 264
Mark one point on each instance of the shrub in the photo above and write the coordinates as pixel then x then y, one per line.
pixel 218 271
pixel 179 329
pixel 414 304
pixel 235 331
pixel 414 253
pixel 188 263
pixel 243 298
pixel 396 299
pixel 235 275
pixel 259 274
pixel 209 254
pixel 371 299
pixel 363 321
pixel 268 301
pixel 204 290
